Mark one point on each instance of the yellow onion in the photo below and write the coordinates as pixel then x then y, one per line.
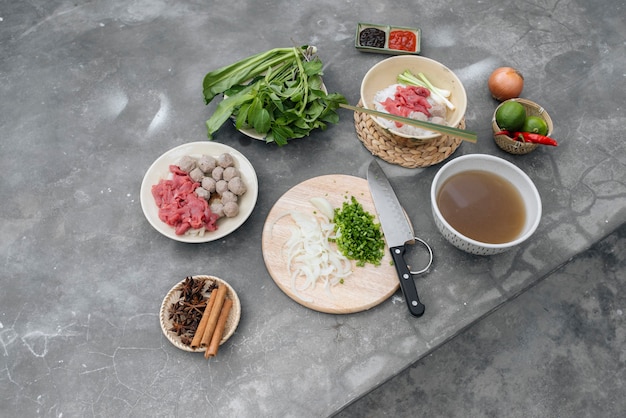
pixel 506 83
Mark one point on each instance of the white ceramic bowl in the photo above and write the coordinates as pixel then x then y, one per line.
pixel 498 166
pixel 385 73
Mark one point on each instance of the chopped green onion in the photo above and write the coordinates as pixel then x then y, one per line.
pixel 358 237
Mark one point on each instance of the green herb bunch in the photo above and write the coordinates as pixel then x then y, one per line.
pixel 278 93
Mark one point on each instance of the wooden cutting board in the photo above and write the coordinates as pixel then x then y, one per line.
pixel 365 288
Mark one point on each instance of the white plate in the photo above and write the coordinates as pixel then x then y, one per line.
pixel 252 133
pixel 160 170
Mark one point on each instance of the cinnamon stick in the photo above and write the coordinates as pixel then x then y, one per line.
pixel 211 350
pixel 197 336
pixel 213 316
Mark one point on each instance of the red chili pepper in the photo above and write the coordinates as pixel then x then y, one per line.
pixel 536 138
pixel 529 137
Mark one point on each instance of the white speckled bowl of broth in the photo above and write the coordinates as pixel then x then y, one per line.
pixel 484 205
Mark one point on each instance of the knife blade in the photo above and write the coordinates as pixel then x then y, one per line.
pixel 397 230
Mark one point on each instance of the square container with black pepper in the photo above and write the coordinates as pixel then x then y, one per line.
pixel 386 39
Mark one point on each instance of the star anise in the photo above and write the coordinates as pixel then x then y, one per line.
pixel 178 328
pixel 187 287
pixel 186 339
pixel 186 313
pixel 197 287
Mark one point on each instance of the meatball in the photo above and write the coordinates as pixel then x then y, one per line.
pixel 237 186
pixel 231 209
pixel 225 160
pixel 187 163
pixel 208 183
pixel 196 175
pixel 217 173
pixel 203 193
pixel 221 186
pixel 230 173
pixel 206 163
pixel 217 208
pixel 228 196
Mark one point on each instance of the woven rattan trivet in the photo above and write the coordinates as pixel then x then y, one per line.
pixel 396 150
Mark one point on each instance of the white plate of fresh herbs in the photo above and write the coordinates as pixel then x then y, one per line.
pixel 275 95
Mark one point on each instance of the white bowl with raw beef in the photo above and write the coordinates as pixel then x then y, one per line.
pixel 161 170
pixel 382 76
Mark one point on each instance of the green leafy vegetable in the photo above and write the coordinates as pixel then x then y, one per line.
pixel 278 93
pixel 358 237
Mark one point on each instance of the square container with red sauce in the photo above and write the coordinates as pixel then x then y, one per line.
pixel 387 39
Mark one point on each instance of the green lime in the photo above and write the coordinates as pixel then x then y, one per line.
pixel 536 125
pixel 510 116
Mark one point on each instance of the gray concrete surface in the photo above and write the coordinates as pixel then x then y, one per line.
pixel 555 351
pixel 91 93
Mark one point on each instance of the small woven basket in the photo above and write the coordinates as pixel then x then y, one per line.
pixel 174 295
pixel 403 151
pixel 516 147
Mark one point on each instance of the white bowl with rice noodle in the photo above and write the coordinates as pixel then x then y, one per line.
pixel 379 82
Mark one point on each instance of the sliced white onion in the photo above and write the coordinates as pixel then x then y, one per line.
pixel 310 255
pixel 324 206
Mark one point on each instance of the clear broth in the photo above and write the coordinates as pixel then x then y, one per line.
pixel 482 206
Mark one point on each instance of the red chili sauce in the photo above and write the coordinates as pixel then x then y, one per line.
pixel 404 40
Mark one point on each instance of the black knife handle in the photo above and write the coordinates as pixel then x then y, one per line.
pixel 406 282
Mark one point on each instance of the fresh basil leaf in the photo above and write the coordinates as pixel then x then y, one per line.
pixel 223 111
pixel 241 121
pixel 281 134
pixel 313 67
pixel 261 121
pixel 315 83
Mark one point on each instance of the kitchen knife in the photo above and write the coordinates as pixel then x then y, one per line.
pixel 397 230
